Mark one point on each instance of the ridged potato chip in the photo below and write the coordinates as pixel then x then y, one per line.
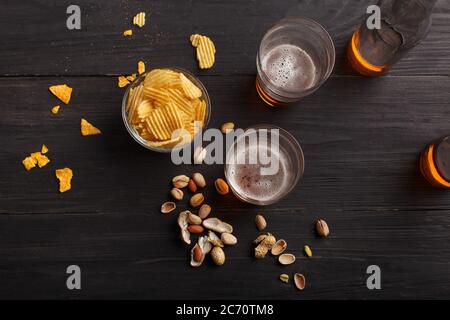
pixel 128 33
pixel 64 176
pixel 165 143
pixel 135 97
pixel 62 91
pixel 189 89
pixel 144 110
pixel 162 78
pixel 181 101
pixel 205 50
pixel 200 111
pixel 87 129
pixel 158 125
pixel 159 96
pixel 139 19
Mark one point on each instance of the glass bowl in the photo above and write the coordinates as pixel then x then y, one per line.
pixel 135 134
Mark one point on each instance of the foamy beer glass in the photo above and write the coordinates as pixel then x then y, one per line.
pixel 295 58
pixel 264 164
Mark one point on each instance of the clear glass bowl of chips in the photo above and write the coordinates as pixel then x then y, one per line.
pixel 165 108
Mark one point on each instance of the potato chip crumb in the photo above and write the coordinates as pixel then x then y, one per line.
pixel 55 109
pixel 139 19
pixel 44 149
pixel 141 67
pixel 205 50
pixel 65 177
pixel 122 81
pixel 131 77
pixel 41 159
pixel 29 163
pixel 128 33
pixel 62 91
pixel 87 129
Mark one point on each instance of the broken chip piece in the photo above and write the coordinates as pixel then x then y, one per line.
pixel 87 129
pixel 55 109
pixel 205 50
pixel 62 91
pixel 29 163
pixel 139 19
pixel 42 160
pixel 44 149
pixel 128 33
pixel 141 67
pixel 131 77
pixel 65 177
pixel 122 81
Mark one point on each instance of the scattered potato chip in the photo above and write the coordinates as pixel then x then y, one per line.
pixel 131 77
pixel 141 67
pixel 128 33
pixel 55 109
pixel 65 177
pixel 87 129
pixel 122 81
pixel 44 149
pixel 139 19
pixel 29 163
pixel 205 50
pixel 163 108
pixel 41 159
pixel 62 91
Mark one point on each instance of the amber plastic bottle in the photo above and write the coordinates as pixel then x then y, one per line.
pixel 435 163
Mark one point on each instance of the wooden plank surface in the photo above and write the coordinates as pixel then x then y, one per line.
pixel 35 40
pixel 361 139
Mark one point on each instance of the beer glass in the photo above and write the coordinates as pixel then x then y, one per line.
pixel 264 164
pixel 296 56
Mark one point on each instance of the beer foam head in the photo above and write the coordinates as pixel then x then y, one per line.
pixel 289 67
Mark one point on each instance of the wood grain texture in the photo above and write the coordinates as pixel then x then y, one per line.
pixel 361 140
pixel 35 40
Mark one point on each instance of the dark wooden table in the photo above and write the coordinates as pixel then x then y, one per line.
pixel 361 139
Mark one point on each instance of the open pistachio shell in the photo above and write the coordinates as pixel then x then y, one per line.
pixel 299 281
pixel 168 207
pixel 279 247
pixel 286 258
